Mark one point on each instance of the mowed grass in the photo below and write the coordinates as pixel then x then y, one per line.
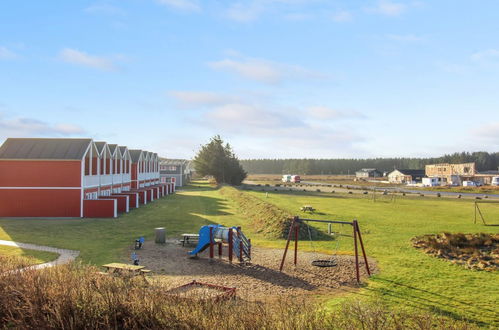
pixel 32 257
pixel 105 240
pixel 407 276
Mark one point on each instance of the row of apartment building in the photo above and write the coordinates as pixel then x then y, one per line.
pixel 76 178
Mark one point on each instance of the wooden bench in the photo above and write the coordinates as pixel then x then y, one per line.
pixel 306 208
pixel 189 239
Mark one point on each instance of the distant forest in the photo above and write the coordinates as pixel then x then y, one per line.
pixel 484 161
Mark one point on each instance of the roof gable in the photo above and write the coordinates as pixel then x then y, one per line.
pixel 44 148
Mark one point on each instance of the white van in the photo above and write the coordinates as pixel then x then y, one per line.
pixel 469 184
pixel 495 181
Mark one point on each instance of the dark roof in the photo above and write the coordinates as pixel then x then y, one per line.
pixel 112 147
pixel 40 148
pixel 123 149
pixel 490 172
pixel 367 170
pixel 135 154
pixel 412 172
pixel 100 146
pixel 165 161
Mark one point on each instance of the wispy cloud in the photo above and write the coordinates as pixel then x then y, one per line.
pixel 342 16
pixel 7 54
pixel 184 5
pixel 388 8
pixel 486 56
pixel 105 9
pixel 245 12
pixel 192 99
pixel 487 131
pixel 405 37
pixel 22 127
pixel 323 112
pixel 77 57
pixel 264 71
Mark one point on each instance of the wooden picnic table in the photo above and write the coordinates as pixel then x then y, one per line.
pixel 188 238
pixel 307 208
pixel 116 267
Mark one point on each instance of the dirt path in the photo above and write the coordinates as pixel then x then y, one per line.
pixel 260 279
pixel 65 256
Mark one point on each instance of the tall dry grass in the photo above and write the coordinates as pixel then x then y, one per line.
pixel 76 297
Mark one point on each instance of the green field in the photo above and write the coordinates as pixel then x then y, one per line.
pixel 407 278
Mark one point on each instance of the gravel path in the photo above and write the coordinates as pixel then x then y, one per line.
pixel 65 256
pixel 260 279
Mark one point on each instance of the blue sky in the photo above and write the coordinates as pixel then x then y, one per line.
pixel 275 78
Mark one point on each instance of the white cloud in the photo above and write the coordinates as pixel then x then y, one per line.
pixel 405 37
pixel 323 112
pixel 105 9
pixel 28 127
pixel 264 71
pixel 6 54
pixel 190 99
pixel 388 8
pixel 486 56
pixel 245 12
pixel 342 16
pixel 74 56
pixel 487 131
pixel 185 5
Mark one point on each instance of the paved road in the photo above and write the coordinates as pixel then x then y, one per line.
pixel 65 256
pixel 406 190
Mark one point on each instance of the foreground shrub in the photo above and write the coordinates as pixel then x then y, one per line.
pixel 77 297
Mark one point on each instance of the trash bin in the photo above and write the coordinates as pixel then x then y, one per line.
pixel 160 235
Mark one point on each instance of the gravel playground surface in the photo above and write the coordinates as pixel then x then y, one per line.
pixel 259 280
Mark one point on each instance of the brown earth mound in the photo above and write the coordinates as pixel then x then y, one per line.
pixel 474 251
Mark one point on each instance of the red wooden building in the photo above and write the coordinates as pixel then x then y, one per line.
pixel 73 178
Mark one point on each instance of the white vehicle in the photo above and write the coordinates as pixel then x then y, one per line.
pixel 469 184
pixel 431 182
pixel 495 181
pixel 291 178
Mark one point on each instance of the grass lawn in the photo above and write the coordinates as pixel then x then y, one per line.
pixel 408 277
pixel 32 257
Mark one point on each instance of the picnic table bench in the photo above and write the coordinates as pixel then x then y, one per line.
pixel 305 208
pixel 189 238
pixel 125 269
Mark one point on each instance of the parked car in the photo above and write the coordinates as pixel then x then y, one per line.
pixel 495 181
pixel 469 184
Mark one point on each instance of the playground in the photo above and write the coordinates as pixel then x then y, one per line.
pixel 254 280
pixel 403 276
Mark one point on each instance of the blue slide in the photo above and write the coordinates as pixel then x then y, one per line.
pixel 204 238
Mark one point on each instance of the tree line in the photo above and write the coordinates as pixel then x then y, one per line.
pixel 484 161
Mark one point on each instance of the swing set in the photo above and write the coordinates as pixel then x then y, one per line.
pixel 294 230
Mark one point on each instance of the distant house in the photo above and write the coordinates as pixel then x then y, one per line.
pixel 406 176
pixel 175 170
pixel 368 173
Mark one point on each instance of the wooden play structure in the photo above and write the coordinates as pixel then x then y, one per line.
pixel 294 230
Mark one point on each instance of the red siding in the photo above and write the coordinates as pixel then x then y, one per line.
pixel 99 208
pixel 122 202
pixel 40 202
pixel 134 198
pixel 40 173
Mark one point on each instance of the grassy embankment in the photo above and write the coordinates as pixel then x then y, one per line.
pixel 408 277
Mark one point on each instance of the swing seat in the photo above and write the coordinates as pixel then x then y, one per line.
pixel 324 263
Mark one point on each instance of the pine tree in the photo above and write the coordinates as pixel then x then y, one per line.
pixel 218 160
